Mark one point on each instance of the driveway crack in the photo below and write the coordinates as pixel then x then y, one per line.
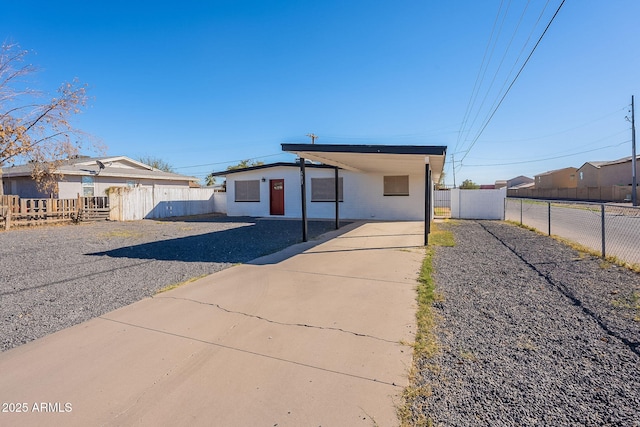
pixel 301 325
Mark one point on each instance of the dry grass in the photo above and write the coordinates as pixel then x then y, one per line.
pixel 632 302
pixel 583 251
pixel 177 285
pixel 425 345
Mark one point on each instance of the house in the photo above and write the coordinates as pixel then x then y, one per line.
pixel 384 182
pixel 606 173
pixel 559 178
pixel 520 182
pixel 87 176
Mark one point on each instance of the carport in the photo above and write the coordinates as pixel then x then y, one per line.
pixel 378 159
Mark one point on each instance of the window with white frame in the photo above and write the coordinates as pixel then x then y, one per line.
pixel 88 186
pixel 324 190
pixel 396 185
pixel 247 191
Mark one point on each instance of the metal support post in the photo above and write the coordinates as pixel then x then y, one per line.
pixel 520 211
pixel 303 194
pixel 337 198
pixel 427 203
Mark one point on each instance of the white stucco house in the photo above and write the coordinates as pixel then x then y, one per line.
pixel 87 176
pixel 381 182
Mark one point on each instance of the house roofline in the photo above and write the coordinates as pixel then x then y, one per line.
pixel 556 170
pixel 271 165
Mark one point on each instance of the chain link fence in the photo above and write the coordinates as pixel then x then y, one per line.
pixel 611 230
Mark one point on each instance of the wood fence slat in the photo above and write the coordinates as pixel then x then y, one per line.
pixel 27 211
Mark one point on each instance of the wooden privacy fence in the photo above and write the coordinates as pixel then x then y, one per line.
pixel 129 204
pixel 17 211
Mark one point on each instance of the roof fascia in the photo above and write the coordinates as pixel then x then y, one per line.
pixel 268 166
pixel 433 150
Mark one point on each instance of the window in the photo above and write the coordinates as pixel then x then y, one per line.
pixel 88 186
pixel 396 185
pixel 324 190
pixel 248 191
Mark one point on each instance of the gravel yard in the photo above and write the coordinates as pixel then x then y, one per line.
pixel 54 277
pixel 531 333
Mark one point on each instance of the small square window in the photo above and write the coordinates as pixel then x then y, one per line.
pixel 396 185
pixel 247 191
pixel 324 190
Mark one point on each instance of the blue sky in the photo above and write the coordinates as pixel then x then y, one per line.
pixel 202 85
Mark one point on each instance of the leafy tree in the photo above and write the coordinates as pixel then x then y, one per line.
pixel 440 185
pixel 211 180
pixel 32 130
pixel 157 163
pixel 467 184
pixel 245 164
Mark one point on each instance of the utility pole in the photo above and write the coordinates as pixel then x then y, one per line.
pixel 634 190
pixel 453 168
pixel 313 137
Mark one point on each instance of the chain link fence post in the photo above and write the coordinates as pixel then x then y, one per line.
pixel 549 217
pixel 602 229
pixel 520 211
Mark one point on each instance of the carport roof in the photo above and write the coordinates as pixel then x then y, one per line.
pixel 386 159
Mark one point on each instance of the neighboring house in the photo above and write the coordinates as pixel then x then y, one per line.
pixel 520 182
pixel 559 178
pixel 374 182
pixel 87 176
pixel 607 173
pixel 501 183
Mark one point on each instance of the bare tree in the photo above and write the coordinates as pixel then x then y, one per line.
pixel 33 130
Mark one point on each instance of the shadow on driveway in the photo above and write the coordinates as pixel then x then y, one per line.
pixel 253 239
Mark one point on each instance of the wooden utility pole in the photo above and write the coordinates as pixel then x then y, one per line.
pixel 634 189
pixel 313 137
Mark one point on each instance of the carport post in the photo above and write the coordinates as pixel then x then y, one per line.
pixel 427 201
pixel 337 199
pixel 303 189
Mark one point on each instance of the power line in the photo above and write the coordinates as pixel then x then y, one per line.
pixel 552 158
pixel 504 55
pixel 228 161
pixel 476 87
pixel 512 82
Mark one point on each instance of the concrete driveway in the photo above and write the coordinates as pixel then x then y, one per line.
pixel 312 338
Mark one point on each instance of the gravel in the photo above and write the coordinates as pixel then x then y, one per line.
pixel 531 333
pixel 54 277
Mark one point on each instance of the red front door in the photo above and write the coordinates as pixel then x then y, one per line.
pixel 276 196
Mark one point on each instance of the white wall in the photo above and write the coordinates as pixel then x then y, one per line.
pixel 478 204
pixel 363 196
